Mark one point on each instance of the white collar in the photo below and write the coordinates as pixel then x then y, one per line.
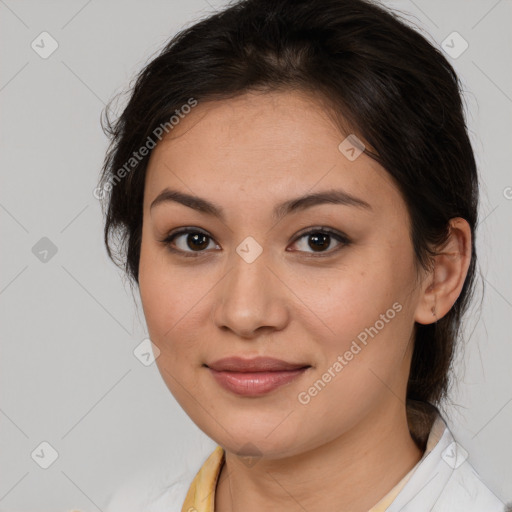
pixel 444 480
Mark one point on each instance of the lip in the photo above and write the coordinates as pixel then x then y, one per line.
pixel 254 364
pixel 256 376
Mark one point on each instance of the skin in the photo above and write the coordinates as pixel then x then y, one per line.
pixel 352 439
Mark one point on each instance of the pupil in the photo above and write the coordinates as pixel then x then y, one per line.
pixel 321 240
pixel 198 245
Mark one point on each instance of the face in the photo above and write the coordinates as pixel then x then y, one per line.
pixel 329 287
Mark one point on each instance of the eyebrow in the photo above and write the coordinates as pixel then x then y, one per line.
pixel 292 205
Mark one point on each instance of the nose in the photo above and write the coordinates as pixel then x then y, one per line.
pixel 251 299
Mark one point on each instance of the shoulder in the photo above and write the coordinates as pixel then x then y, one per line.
pixel 466 492
pixel 444 480
pixel 151 492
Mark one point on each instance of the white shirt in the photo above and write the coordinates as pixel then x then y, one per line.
pixel 442 481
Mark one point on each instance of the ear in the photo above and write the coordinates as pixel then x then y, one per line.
pixel 443 284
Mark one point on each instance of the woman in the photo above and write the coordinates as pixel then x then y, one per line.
pixel 297 197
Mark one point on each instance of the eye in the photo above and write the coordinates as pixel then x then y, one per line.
pixel 320 239
pixel 190 242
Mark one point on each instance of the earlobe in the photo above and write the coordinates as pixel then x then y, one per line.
pixel 442 286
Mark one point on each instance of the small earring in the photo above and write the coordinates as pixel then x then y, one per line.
pixel 433 311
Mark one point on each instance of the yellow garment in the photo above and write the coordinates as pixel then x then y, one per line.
pixel 201 493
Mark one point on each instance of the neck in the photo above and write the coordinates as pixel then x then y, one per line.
pixel 353 471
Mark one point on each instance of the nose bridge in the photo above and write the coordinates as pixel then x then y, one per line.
pixel 248 298
pixel 250 266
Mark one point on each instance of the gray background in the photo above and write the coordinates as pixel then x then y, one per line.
pixel 69 325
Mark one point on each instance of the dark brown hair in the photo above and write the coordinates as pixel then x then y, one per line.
pixel 383 80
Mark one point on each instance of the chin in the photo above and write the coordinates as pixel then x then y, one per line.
pixel 249 440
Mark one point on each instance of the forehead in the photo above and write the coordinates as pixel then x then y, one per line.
pixel 277 144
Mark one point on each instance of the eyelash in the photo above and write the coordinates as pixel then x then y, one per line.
pixel 338 236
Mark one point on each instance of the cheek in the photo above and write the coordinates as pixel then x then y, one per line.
pixel 365 326
pixel 153 290
pixel 343 301
pixel 162 294
pixel 168 307
pixel 173 299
